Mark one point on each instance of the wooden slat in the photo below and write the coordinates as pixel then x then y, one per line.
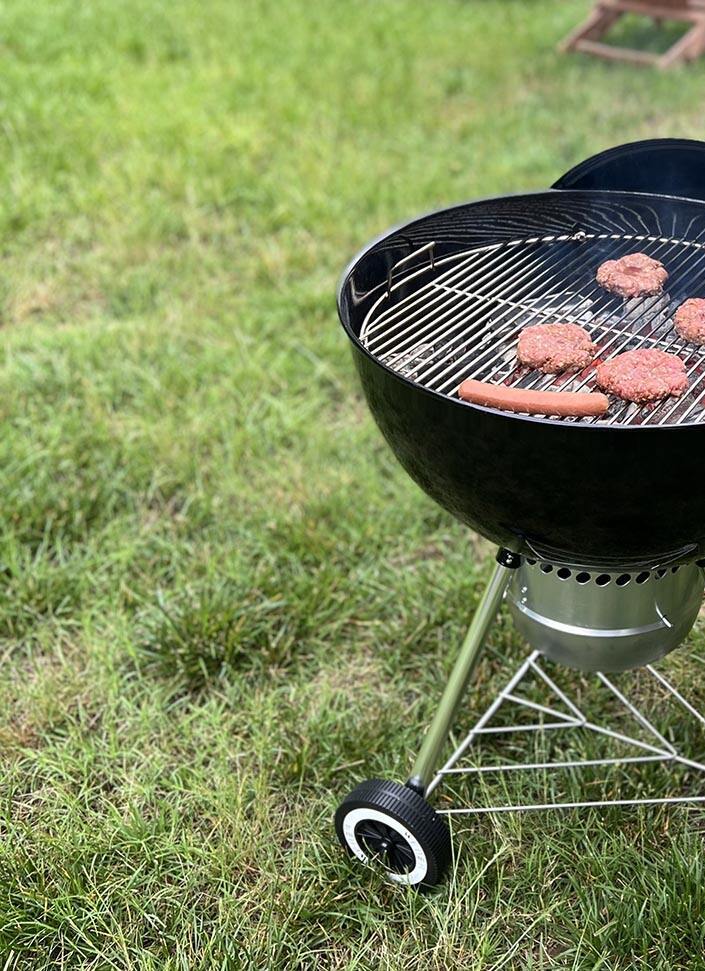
pixel 677 6
pixel 596 25
pixel 613 53
pixel 689 46
pixel 657 10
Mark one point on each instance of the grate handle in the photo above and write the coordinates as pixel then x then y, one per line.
pixel 405 259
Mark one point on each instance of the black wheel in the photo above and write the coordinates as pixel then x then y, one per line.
pixel 389 823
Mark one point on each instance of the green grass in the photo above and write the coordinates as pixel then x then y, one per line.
pixel 223 603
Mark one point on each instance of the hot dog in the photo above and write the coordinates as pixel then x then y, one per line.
pixel 563 403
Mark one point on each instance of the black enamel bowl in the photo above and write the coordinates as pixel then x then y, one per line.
pixel 573 492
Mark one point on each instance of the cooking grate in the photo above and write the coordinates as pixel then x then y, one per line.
pixel 460 317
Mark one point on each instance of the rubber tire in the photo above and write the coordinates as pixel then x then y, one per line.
pixel 411 810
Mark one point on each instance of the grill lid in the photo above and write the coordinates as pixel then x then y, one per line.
pixel 669 166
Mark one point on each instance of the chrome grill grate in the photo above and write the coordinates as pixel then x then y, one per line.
pixel 460 317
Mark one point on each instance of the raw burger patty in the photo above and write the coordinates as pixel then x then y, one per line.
pixel 635 275
pixel 553 348
pixel 643 376
pixel 690 320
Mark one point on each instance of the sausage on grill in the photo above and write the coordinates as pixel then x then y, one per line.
pixel 562 403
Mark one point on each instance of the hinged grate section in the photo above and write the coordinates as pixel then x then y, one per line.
pixel 460 317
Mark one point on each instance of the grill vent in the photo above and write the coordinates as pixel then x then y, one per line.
pixel 602 579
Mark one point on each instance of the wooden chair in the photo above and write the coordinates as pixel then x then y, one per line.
pixel 588 37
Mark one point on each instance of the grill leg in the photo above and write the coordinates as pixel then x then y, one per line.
pixel 427 759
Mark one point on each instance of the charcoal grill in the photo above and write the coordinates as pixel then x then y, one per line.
pixel 599 521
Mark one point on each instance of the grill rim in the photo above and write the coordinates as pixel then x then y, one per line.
pixel 551 193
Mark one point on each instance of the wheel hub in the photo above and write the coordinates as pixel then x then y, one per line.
pixel 386 844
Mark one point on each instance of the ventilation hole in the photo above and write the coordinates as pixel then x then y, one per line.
pixel 603 579
pixel 661 574
pixel 546 568
pixel 643 577
pixel 583 577
pixel 623 579
pixel 700 563
pixel 675 569
pixel 531 562
pixel 564 573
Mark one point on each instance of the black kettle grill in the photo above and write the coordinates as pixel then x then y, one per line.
pixel 600 521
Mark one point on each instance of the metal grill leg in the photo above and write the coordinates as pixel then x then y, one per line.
pixel 427 759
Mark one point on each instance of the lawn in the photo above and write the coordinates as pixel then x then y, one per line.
pixel 223 604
